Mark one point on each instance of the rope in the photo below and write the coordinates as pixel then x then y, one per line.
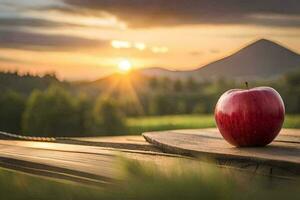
pixel 7 136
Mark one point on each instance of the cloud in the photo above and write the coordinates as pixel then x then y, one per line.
pixel 18 22
pixel 52 16
pixel 45 42
pixel 144 13
pixel 10 60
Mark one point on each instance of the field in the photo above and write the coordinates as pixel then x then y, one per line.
pixel 158 123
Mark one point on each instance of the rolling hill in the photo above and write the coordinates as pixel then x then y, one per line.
pixel 263 59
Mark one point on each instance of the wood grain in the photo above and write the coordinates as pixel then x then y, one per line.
pixel 80 163
pixel 118 142
pixel 94 160
pixel 282 156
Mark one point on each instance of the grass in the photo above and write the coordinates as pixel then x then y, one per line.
pixel 15 185
pixel 157 123
pixel 292 121
pixel 148 181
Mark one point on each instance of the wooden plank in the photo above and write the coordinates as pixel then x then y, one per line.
pixel 96 164
pixel 282 154
pixel 131 139
pixel 86 165
pixel 119 142
pixel 90 164
pixel 286 135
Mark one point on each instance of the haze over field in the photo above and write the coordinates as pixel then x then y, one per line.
pixel 85 40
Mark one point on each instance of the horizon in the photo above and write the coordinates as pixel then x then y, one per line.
pixel 87 40
pixel 134 69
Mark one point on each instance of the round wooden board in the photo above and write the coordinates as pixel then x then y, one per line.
pixel 281 157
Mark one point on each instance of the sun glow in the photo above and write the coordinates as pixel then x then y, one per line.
pixel 124 66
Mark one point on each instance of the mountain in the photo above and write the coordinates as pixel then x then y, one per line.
pixel 162 72
pixel 259 60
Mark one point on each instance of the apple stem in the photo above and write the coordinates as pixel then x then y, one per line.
pixel 246 83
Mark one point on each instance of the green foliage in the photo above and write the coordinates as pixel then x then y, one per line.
pixel 162 104
pixel 177 180
pixel 165 84
pixel 191 84
pixel 73 108
pixel 178 86
pixel 291 92
pixel 108 116
pixel 85 109
pixel 26 83
pixel 130 106
pixel 51 113
pixel 12 106
pixel 293 79
pixel 199 108
pixel 153 83
pixel 195 180
pixel 17 186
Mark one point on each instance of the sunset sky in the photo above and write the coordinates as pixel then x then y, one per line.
pixel 87 39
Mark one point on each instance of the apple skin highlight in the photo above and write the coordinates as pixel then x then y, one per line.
pixel 251 117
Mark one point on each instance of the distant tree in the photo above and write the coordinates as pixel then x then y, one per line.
pixel 191 84
pixel 131 106
pixel 178 86
pixel 84 108
pixel 181 107
pixel 162 104
pixel 51 113
pixel 165 83
pixel 153 83
pixel 293 78
pixel 199 108
pixel 108 116
pixel 12 106
pixel 26 83
pixel 291 92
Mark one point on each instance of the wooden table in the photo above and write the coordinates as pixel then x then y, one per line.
pixel 92 163
pixel 92 160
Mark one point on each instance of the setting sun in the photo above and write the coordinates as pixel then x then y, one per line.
pixel 124 66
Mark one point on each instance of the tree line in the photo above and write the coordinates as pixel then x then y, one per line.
pixel 55 112
pixel 44 106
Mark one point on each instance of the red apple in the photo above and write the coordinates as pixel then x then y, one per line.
pixel 250 117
